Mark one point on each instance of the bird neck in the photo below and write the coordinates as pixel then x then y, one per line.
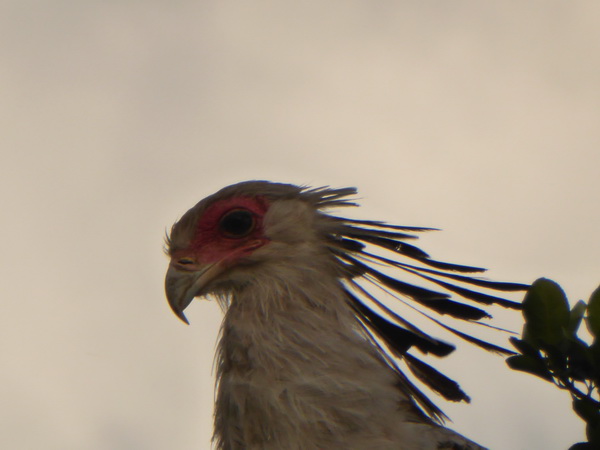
pixel 292 362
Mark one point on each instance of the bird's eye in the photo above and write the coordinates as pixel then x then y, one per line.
pixel 237 223
pixel 185 261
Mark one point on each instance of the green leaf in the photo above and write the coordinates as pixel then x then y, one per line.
pixel 582 446
pixel 530 365
pixel 575 317
pixel 594 357
pixel 525 347
pixel 587 409
pixel 546 312
pixel 580 360
pixel 593 315
pixel 592 432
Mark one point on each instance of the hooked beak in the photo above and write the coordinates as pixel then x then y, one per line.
pixel 183 284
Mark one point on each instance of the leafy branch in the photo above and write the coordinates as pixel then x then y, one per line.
pixel 551 349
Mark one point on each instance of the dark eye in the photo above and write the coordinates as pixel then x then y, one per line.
pixel 237 223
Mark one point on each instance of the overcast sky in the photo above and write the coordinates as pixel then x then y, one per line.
pixel 481 118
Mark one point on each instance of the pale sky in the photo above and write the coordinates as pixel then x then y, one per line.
pixel 481 118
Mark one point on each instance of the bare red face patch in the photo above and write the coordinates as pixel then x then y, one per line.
pixel 230 229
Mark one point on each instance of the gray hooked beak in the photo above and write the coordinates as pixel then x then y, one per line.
pixel 183 284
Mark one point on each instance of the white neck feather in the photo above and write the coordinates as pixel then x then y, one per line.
pixel 291 372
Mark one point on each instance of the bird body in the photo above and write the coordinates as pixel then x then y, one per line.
pixel 298 365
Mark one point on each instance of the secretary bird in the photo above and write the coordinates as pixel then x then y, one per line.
pixel 309 356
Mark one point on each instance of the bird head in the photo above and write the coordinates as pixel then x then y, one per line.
pixel 230 239
pixel 280 237
pixel 258 231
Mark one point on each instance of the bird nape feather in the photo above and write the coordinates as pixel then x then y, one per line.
pixel 292 279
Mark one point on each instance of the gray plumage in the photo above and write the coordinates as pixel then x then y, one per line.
pixel 298 365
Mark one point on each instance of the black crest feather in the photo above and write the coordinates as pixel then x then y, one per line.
pixel 349 240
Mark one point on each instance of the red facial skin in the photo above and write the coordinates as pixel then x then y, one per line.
pixel 211 245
